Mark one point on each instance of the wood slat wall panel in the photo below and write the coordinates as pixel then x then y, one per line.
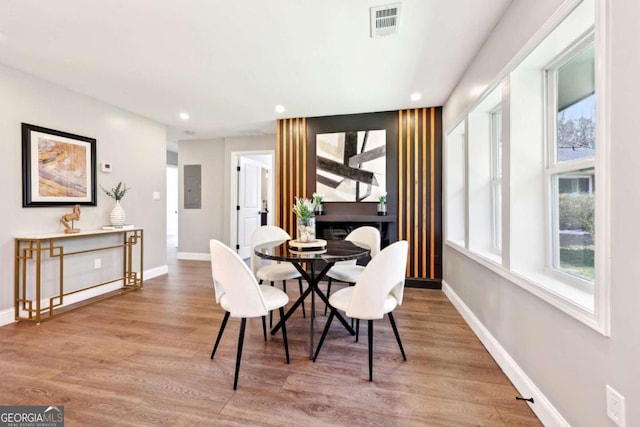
pixel 423 217
pixel 418 198
pixel 291 165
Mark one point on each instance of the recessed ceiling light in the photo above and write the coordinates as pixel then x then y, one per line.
pixel 279 109
pixel 184 116
pixel 189 132
pixel 416 96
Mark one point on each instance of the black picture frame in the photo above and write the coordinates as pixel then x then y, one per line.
pixel 351 165
pixel 58 168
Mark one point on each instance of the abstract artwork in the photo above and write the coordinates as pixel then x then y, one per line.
pixel 59 168
pixel 351 166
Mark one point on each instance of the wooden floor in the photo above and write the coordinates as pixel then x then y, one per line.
pixel 142 359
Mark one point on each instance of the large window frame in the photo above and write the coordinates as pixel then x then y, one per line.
pixel 528 174
pixel 455 152
pixel 556 168
pixel 496 179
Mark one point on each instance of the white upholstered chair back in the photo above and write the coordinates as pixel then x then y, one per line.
pixel 383 276
pixel 265 233
pixel 368 235
pixel 237 290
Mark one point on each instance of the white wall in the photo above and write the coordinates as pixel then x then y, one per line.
pixel 567 361
pixel 198 226
pixel 135 146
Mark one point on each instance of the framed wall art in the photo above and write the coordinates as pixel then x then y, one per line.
pixel 351 166
pixel 58 168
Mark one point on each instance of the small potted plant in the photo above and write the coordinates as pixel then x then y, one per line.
pixel 317 200
pixel 382 204
pixel 306 224
pixel 117 215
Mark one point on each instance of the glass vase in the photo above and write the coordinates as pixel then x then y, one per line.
pixel 319 209
pixel 306 230
pixel 382 209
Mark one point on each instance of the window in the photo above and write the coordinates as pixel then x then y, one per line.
pixel 574 224
pixel 455 193
pixel 484 182
pixel 496 179
pixel 571 169
pixel 530 199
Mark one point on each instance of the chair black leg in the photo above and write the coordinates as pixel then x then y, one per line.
pixel 304 314
pixel 243 323
pixel 284 334
pixel 351 284
pixel 328 292
pixel 271 314
pixel 264 327
pixel 284 286
pixel 370 350
pixel 357 329
pixel 224 323
pixel 324 334
pixel 395 331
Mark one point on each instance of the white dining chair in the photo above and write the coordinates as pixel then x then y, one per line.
pixel 349 271
pixel 239 294
pixel 272 271
pixel 378 291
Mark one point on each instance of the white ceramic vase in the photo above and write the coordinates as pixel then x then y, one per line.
pixel 117 215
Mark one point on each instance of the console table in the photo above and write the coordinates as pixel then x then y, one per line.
pixel 30 251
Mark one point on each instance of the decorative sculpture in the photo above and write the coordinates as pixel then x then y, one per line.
pixel 75 215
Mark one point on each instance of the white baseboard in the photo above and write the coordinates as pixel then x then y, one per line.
pixel 155 272
pixel 7 316
pixel 544 410
pixel 194 256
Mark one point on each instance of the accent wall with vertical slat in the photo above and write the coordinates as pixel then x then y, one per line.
pixel 291 169
pixel 420 190
pixel 414 178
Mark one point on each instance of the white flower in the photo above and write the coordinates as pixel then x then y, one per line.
pixel 317 198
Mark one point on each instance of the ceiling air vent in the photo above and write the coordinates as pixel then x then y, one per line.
pixel 385 20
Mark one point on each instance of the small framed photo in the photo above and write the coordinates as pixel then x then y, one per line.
pixel 58 168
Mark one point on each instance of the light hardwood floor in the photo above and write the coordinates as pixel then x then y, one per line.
pixel 142 359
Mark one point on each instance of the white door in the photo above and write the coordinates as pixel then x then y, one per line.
pixel 172 201
pixel 249 186
pixel 172 210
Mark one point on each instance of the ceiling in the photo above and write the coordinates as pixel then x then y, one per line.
pixel 228 64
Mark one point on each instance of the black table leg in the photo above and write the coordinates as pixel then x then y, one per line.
pixel 314 281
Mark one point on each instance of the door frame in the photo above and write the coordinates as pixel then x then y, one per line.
pixel 233 179
pixel 175 199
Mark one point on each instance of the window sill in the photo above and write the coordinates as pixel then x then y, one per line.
pixel 456 243
pixel 490 256
pixel 569 299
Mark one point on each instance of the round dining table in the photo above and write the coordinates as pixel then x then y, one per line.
pixel 317 262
